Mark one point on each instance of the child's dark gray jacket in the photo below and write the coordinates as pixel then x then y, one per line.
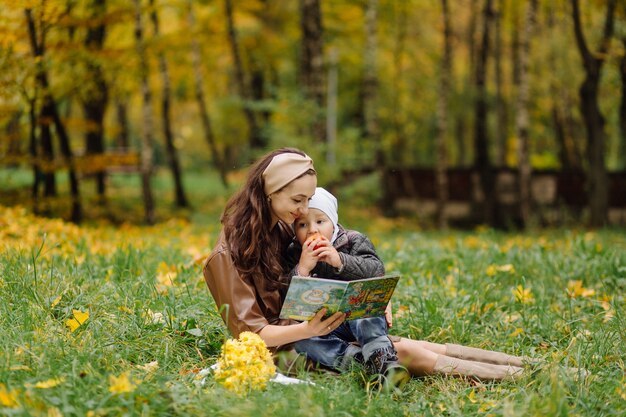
pixel 357 253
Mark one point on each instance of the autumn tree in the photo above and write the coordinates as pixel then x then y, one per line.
pixel 49 113
pixel 622 108
pixel 597 178
pixel 442 119
pixel 482 161
pixel 370 81
pixel 312 62
pixel 166 116
pixel 95 94
pixel 255 139
pixel 147 133
pixel 522 116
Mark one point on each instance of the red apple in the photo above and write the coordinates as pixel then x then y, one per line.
pixel 314 236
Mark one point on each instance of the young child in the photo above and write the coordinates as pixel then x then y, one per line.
pixel 345 255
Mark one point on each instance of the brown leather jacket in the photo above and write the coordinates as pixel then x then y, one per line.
pixel 245 305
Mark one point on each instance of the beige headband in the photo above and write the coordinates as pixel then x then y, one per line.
pixel 283 169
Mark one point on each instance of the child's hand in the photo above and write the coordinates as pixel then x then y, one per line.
pixel 327 253
pixel 308 257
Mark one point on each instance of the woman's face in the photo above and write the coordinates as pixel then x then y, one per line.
pixel 292 201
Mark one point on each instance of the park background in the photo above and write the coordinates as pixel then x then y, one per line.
pixel 125 126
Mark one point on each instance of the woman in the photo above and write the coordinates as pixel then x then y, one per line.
pixel 246 277
pixel 244 272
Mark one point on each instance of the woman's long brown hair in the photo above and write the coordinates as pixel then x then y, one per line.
pixel 255 246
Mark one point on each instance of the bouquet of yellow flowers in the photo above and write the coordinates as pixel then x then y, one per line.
pixel 244 364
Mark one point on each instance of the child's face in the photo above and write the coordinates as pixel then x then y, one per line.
pixel 314 221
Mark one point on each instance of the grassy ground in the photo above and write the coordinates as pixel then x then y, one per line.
pixel 116 320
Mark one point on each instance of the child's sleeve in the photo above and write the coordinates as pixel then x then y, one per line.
pixel 291 259
pixel 362 261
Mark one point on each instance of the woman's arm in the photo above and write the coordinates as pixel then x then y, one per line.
pixel 274 335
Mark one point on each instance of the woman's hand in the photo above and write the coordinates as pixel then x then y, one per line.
pixel 319 327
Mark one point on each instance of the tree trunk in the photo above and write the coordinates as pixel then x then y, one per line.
pixel 481 139
pixel 562 127
pixel 66 150
pixel 172 153
pixel 331 109
pixel 199 93
pixel 121 115
pixel 397 118
pixel 94 105
pixel 254 134
pixel 47 153
pixel 462 124
pixel 33 152
pixel 522 118
pixel 46 157
pixel 147 123
pixel 622 109
pixel 49 113
pixel 370 82
pixel 442 120
pixel 258 91
pixel 471 34
pixel 460 139
pixel 597 178
pixel 312 62
pixel 500 102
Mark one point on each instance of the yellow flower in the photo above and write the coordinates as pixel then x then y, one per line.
pixel 523 295
pixel 78 320
pixel 621 390
pixel 517 332
pixel 8 398
pixel 155 318
pixel 493 269
pixel 56 301
pixel 608 310
pixel 472 397
pixel 244 364
pixel 576 289
pixel 50 383
pixel 166 274
pixel 54 412
pixel 149 367
pixel 121 384
pixel 486 406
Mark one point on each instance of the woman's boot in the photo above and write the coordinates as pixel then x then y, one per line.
pixel 487 356
pixel 478 370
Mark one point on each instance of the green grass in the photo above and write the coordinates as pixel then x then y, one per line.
pixel 451 291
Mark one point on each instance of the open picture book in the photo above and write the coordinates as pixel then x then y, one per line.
pixel 358 299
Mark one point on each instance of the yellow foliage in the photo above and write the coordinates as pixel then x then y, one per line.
pixel 8 398
pixel 78 319
pixel 523 295
pixel 121 384
pixel 49 383
pixel 575 289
